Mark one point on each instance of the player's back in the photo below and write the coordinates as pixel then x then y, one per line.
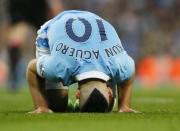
pixel 82 42
pixel 81 30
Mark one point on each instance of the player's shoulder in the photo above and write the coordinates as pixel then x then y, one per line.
pixel 75 14
pixel 63 15
pixel 78 14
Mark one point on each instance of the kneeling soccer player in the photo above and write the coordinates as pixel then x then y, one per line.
pixel 79 46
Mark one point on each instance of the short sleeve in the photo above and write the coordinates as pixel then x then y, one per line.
pixel 126 69
pixel 42 44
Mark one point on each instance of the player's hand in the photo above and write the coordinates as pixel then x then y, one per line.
pixel 127 110
pixel 40 110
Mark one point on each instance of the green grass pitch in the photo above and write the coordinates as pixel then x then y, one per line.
pixel 160 112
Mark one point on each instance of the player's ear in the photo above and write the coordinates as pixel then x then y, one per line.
pixel 77 94
pixel 112 100
pixel 110 93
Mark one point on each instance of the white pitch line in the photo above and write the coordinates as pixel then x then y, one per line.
pixel 154 100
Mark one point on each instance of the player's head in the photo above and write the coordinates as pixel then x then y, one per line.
pixel 95 96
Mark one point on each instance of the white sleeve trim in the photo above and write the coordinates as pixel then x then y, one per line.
pixel 39 66
pixel 92 74
pixel 41 52
pixel 44 50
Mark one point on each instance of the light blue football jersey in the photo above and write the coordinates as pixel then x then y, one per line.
pixel 82 45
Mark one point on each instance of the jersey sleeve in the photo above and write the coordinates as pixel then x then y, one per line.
pixel 42 45
pixel 126 69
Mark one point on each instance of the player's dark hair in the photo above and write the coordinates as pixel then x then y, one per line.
pixel 95 103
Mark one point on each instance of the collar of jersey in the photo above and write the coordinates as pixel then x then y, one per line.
pixel 92 74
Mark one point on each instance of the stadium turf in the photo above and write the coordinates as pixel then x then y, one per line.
pixel 160 112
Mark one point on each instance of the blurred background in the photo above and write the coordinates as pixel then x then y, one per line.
pixel 149 31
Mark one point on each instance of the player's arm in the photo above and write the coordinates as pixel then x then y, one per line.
pixel 35 81
pixel 124 95
pixel 36 87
